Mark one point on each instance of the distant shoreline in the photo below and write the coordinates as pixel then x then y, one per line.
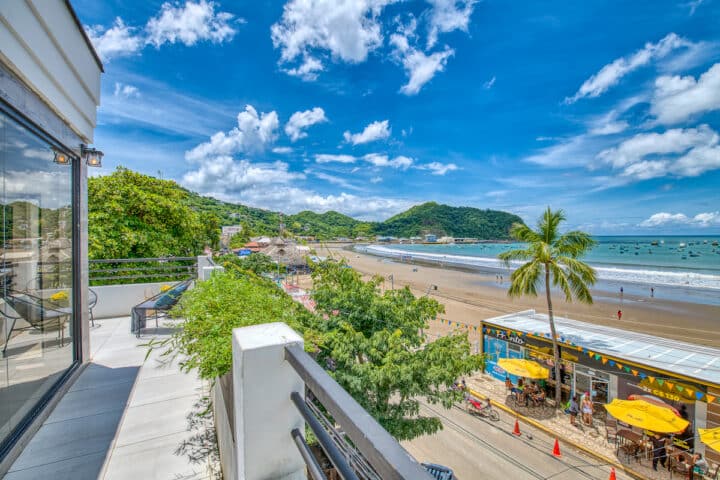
pixel 471 296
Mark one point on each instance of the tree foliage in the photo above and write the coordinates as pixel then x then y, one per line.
pixel 369 341
pixel 225 301
pixel 552 259
pixel 372 343
pixel 257 263
pixel 131 215
pixel 444 220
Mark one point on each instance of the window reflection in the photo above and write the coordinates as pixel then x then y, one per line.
pixel 35 271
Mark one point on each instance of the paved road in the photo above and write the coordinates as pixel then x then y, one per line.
pixel 476 448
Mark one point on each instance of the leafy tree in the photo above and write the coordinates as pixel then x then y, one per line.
pixel 258 263
pixel 216 306
pixel 131 215
pixel 372 343
pixel 238 240
pixel 552 258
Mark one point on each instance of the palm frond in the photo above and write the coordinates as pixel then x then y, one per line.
pixel 548 224
pixel 524 280
pixel 585 272
pixel 523 233
pixel 580 289
pixel 517 254
pixel 560 280
pixel 574 244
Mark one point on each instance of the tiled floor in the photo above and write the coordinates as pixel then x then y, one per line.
pixel 124 418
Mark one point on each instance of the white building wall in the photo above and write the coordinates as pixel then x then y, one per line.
pixel 41 43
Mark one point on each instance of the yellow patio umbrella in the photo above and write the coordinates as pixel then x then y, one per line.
pixel 523 368
pixel 710 437
pixel 646 416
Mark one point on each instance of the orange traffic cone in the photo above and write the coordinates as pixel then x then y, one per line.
pixel 612 474
pixel 516 430
pixel 556 449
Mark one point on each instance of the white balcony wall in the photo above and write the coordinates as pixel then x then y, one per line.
pixel 41 44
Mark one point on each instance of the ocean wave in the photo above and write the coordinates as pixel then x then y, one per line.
pixel 673 278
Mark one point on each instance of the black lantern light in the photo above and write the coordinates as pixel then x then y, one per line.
pixel 92 156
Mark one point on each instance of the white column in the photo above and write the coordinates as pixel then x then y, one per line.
pixel 264 413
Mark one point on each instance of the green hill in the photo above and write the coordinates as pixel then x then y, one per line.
pixel 135 215
pixel 444 220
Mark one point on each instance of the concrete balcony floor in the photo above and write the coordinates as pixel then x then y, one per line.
pixel 124 418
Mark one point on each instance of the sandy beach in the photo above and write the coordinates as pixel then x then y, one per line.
pixel 471 297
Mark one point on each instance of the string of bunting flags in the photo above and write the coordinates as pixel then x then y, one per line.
pixel 669 385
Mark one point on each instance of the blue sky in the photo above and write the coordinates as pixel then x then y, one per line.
pixel 609 110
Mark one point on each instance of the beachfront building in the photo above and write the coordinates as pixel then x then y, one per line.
pixel 430 238
pixel 49 91
pixel 612 363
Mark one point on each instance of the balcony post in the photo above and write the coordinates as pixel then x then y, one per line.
pixel 264 413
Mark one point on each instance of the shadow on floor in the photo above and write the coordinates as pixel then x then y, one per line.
pixel 75 439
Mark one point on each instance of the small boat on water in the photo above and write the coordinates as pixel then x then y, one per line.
pixel 715 243
pixel 694 254
pixel 684 257
pixel 682 245
pixel 654 243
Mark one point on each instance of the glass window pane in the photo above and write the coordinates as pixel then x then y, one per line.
pixel 35 271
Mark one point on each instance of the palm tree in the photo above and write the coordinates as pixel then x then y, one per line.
pixel 551 257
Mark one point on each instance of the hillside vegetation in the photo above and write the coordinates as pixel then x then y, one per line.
pixel 442 220
pixel 133 215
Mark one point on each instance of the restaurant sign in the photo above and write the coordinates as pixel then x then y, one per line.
pixel 509 337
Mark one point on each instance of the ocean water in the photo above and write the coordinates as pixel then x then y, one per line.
pixel 675 266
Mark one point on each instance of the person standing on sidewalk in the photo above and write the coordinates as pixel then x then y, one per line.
pixel 659 452
pixel 573 410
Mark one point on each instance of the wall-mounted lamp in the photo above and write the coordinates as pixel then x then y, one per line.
pixel 92 156
pixel 61 158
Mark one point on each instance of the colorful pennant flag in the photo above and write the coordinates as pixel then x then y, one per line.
pixel 669 385
pixel 699 395
pixel 710 398
pixel 612 363
pixel 635 373
pixel 660 381
pixel 604 360
pixel 652 379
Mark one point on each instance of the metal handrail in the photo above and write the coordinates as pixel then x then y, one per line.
pixel 141 260
pixel 382 451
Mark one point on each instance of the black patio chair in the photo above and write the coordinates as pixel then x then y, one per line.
pixel 92 301
pixel 36 312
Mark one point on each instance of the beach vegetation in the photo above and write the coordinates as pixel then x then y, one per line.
pixel 551 260
pixel 372 344
pixel 370 341
pixel 131 215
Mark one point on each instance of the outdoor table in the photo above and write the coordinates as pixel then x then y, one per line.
pixel 628 437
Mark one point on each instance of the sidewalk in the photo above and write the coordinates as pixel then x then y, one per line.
pixel 592 439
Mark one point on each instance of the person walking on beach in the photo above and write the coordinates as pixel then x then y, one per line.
pixel 619 314
pixel 652 292
pixel 621 291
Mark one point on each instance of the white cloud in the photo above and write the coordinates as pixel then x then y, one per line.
pixel 125 91
pixel 400 162
pixel 694 4
pixel 193 22
pixel 437 168
pixel 328 158
pixel 489 84
pixel 308 69
pixel 681 152
pixel 282 150
pixel 678 98
pixel 379 130
pixel 419 67
pixel 299 121
pixel 334 180
pixel 117 41
pixel 348 29
pixel 223 174
pixel 376 180
pixel 448 15
pixel 612 73
pixel 253 133
pixel 610 128
pixel 664 218
pixel 189 24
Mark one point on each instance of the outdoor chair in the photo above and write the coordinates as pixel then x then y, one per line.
pixel 160 304
pixel 611 428
pixel 36 312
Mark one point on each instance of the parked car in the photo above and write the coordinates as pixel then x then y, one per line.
pixel 439 472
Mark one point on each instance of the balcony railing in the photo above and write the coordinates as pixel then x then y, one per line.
pixel 142 270
pixel 277 390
